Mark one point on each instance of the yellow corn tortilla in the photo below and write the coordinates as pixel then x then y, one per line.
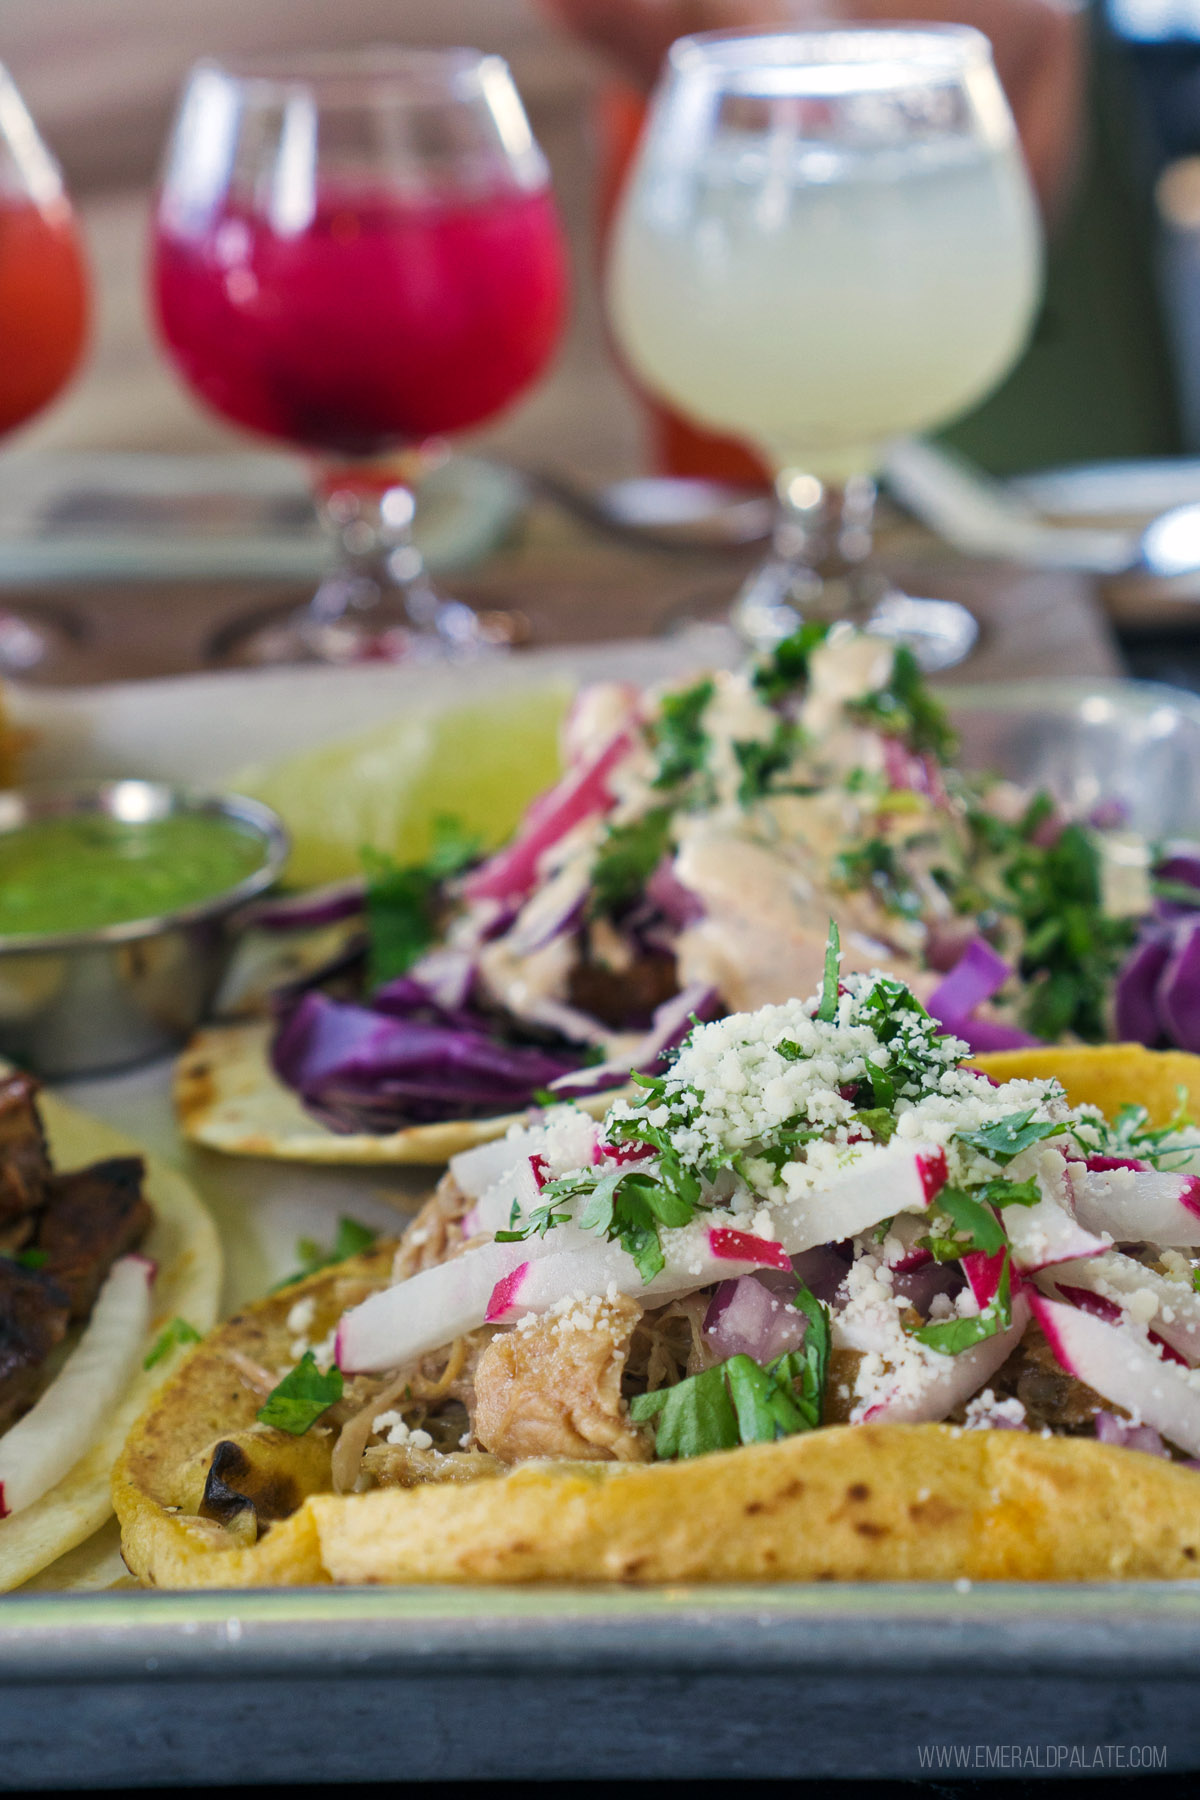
pixel 183 1242
pixel 878 1502
pixel 228 1098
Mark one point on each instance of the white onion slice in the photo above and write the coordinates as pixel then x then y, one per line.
pixel 45 1445
pixel 1136 1206
pixel 1120 1364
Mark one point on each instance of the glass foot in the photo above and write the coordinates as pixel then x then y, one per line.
pixel 286 634
pixel 940 633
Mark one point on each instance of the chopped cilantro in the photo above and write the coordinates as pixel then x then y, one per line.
pixel 1009 1193
pixel 402 902
pixel 875 865
pixel 627 858
pixel 1070 948
pixel 1008 1137
pixel 905 708
pixel 301 1397
pixel 951 1336
pixel 351 1240
pixel 32 1258
pixel 694 1417
pixel 174 1334
pixel 977 1225
pixel 1131 1134
pixel 878 1120
pixel 625 1205
pixel 883 1088
pixel 787 666
pixel 541 1220
pixel 741 1401
pixel 827 1011
pixel 1196 1279
pixel 761 761
pixel 679 735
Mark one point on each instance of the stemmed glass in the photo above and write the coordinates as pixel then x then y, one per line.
pixel 43 322
pixel 355 254
pixel 829 241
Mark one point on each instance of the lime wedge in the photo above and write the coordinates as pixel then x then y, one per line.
pixel 481 764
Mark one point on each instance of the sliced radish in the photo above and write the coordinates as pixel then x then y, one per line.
pixel 1116 1278
pixel 45 1445
pixel 493 1211
pixel 582 792
pixel 743 1247
pixel 1138 1207
pixel 431 1308
pixel 930 1387
pixel 983 1275
pixel 438 1304
pixel 1118 1363
pixel 879 1184
pixel 1046 1234
pixel 476 1170
pixel 506 1295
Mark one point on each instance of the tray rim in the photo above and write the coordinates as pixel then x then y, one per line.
pixel 1057 1628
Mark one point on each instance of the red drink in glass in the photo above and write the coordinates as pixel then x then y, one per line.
pixel 385 320
pixel 43 305
pixel 352 254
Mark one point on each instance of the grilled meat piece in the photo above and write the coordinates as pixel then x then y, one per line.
pixel 91 1217
pixel 33 1319
pixel 554 1389
pixel 624 999
pixel 24 1163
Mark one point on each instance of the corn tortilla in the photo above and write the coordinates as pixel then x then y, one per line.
pixel 228 1098
pixel 851 1503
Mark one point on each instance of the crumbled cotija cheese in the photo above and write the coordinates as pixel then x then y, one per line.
pixel 986 1413
pixel 393 1430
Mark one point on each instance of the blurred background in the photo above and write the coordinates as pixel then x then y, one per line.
pixel 102 81
pixel 1112 373
pixel 1124 298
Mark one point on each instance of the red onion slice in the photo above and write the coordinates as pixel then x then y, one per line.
pixel 1111 1430
pixel 745 1318
pixel 581 792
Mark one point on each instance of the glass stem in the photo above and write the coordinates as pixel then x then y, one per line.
pixel 817 566
pixel 379 580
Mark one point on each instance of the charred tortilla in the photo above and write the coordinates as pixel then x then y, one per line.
pixel 228 1098
pixel 863 1502
pixel 182 1241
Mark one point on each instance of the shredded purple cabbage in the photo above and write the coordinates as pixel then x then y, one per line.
pixel 979 973
pixel 360 1070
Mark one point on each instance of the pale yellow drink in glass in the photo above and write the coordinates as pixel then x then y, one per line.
pixel 821 301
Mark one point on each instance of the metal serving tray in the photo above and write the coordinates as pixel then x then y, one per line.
pixel 128 1689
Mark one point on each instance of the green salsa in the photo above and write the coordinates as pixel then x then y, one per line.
pixel 87 870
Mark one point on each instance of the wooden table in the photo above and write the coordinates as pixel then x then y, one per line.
pixel 574 587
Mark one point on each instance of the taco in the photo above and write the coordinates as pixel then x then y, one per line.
pixel 822 1302
pixel 105 1259
pixel 686 864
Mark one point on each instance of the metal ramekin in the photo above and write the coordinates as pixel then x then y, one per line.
pixel 79 1002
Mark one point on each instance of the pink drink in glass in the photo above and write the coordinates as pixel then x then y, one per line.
pixel 385 320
